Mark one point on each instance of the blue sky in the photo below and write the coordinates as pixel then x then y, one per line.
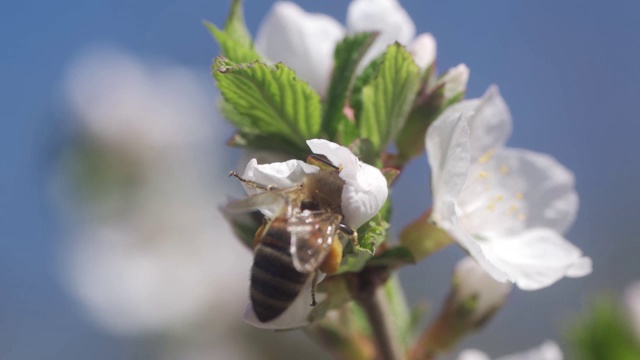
pixel 568 70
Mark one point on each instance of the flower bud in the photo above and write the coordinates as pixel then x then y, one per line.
pixel 455 81
pixel 474 298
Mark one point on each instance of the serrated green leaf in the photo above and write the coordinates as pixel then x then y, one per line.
pixel 271 100
pixel 346 58
pixel 367 75
pixel 235 26
pixel 370 236
pixel 232 48
pixel 235 41
pixel 388 98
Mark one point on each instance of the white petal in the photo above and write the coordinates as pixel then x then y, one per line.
pixel 387 17
pixel 365 189
pixel 533 259
pixel 464 239
pixel 447 144
pixel 510 190
pixel 547 187
pixel 549 350
pixel 424 50
pixel 455 81
pixel 303 41
pixel 280 174
pixel 473 354
pixel 490 126
pixel 472 281
pixel 295 316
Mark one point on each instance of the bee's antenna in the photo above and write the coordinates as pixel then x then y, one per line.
pixel 250 183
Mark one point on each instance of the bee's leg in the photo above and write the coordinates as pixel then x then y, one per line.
pixel 352 234
pixel 314 286
pixel 252 184
pixel 332 261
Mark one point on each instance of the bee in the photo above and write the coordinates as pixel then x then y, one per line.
pixel 299 241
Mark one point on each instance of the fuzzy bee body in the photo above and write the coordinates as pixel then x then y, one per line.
pixel 275 282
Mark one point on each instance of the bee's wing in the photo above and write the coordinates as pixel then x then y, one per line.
pixel 259 200
pixel 311 236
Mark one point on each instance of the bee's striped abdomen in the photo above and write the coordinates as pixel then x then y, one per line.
pixel 275 282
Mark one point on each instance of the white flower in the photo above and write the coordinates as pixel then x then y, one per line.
pixel 365 189
pixel 507 207
pixel 364 193
pixel 632 302
pixel 161 257
pixel 306 41
pixel 139 109
pixel 549 350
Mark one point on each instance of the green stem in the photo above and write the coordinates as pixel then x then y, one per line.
pixel 371 297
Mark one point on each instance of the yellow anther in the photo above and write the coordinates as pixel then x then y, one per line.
pixel 521 217
pixel 519 195
pixel 513 209
pixel 504 169
pixel 483 174
pixel 499 198
pixel 486 156
pixel 492 206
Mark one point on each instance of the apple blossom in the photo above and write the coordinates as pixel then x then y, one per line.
pixel 549 350
pixel 306 41
pixel 507 207
pixel 364 192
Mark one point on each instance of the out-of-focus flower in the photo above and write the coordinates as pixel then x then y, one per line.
pixel 143 111
pixel 549 350
pixel 632 302
pixel 163 259
pixel 364 193
pixel 507 207
pixel 305 41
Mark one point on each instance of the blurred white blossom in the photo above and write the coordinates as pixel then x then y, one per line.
pixel 165 258
pixel 507 207
pixel 549 350
pixel 306 41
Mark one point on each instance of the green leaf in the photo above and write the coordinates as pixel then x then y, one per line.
pixel 370 236
pixel 235 41
pixel 270 101
pixel 346 58
pixel 235 26
pixel 387 99
pixel 272 143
